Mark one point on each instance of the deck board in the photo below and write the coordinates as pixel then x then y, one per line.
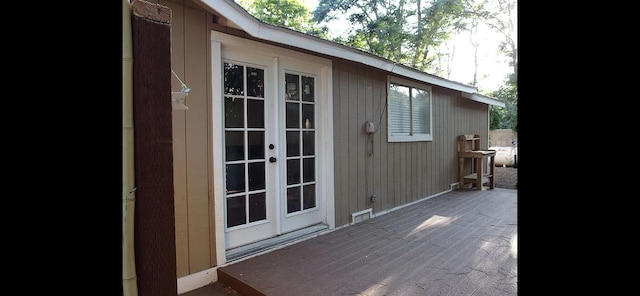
pixel 458 243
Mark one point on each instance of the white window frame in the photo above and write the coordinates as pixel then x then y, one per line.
pixel 411 137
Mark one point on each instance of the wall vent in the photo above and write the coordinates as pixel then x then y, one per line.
pixel 361 216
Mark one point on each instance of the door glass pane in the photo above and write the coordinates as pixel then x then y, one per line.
pixel 309 196
pixel 300 133
pixel 292 87
pixel 256 176
pixel 236 213
pixel 255 113
pixel 233 79
pixel 293 199
pixel 308 89
pixel 257 207
pixel 293 143
pixel 293 171
pixel 255 82
pixel 234 145
pixel 233 112
pixel 309 169
pixel 309 143
pixel 256 145
pixel 308 116
pixel 244 136
pixel 293 115
pixel 235 178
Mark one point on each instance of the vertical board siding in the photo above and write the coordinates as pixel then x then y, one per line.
pixel 179 141
pixel 398 173
pixel 352 127
pixel 189 46
pixel 441 142
pixel 369 100
pixel 377 166
pixel 198 137
pixel 361 139
pixel 341 140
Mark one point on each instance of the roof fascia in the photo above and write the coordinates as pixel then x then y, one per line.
pixel 484 99
pixel 261 30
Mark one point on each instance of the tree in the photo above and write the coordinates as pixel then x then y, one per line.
pixel 404 31
pixel 498 15
pixel 506 117
pixel 409 32
pixel 290 14
pixel 503 22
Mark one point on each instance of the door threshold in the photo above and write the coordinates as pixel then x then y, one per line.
pixel 263 245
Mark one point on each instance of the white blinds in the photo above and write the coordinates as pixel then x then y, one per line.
pixel 399 110
pixel 408 110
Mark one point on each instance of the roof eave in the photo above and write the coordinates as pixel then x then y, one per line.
pixel 261 30
pixel 484 99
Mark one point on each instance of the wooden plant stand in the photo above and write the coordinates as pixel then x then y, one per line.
pixel 469 149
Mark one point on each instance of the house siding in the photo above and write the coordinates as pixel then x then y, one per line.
pixel 398 173
pixel 195 239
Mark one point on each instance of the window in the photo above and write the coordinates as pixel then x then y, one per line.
pixel 409 106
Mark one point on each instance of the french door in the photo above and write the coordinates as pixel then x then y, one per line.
pixel 270 154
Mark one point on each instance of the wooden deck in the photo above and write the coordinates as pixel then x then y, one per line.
pixel 463 242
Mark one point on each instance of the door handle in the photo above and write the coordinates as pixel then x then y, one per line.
pixel 272 159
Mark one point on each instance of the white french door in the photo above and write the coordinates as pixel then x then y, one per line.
pixel 270 147
pixel 301 205
pixel 249 176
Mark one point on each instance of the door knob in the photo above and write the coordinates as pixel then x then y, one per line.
pixel 272 159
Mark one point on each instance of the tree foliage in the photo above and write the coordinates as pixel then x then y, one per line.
pixel 289 14
pixel 409 32
pixel 404 31
pixel 498 16
pixel 507 117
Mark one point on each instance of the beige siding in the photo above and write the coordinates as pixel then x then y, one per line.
pixel 179 143
pixel 197 131
pixel 398 173
pixel 195 240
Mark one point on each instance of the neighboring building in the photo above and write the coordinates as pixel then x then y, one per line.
pixel 286 133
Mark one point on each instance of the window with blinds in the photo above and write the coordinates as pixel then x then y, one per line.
pixel 409 107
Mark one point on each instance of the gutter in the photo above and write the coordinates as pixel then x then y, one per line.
pixel 129 284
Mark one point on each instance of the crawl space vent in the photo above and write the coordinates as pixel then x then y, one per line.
pixel 361 216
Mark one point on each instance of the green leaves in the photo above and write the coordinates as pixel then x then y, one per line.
pixel 289 14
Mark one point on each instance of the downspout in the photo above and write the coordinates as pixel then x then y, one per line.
pixel 129 284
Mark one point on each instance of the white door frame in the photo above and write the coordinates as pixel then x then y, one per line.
pixel 224 44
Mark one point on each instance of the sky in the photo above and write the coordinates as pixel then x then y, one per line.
pixel 493 67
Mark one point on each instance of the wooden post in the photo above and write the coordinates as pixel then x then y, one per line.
pixel 155 247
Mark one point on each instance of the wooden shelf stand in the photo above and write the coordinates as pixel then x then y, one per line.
pixel 469 149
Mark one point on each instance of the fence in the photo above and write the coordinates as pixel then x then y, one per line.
pixel 505 142
pixel 503 138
